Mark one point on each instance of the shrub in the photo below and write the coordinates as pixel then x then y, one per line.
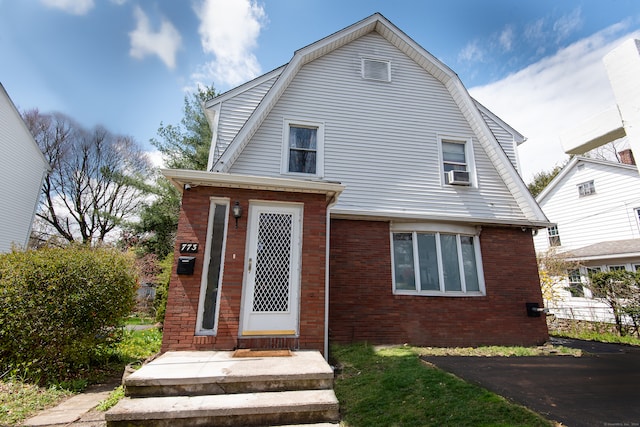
pixel 162 290
pixel 60 309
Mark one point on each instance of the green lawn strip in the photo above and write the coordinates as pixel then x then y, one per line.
pixel 392 387
pixel 607 337
pixel 19 400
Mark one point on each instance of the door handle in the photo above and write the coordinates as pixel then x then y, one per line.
pixel 250 265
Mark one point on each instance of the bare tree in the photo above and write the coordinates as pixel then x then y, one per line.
pixel 96 181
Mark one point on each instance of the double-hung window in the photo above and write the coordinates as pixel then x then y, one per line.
pixel 457 161
pixel 436 263
pixel 575 283
pixel 554 236
pixel 303 148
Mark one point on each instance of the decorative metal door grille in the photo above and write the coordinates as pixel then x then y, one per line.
pixel 273 263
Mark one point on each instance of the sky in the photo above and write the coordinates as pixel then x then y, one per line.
pixel 128 64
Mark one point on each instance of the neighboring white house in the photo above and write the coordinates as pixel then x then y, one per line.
pixel 22 171
pixel 595 205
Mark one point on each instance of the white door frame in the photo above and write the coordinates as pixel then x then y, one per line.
pixel 284 320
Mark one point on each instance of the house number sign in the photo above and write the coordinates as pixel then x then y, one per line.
pixel 188 248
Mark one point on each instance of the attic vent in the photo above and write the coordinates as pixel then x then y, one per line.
pixel 374 69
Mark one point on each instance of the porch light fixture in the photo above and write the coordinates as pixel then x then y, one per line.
pixel 237 212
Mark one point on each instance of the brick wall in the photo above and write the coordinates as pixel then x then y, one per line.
pixel 184 291
pixel 363 307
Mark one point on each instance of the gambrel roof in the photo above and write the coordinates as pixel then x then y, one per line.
pixel 470 109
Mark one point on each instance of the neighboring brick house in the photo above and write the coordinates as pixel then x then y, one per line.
pixel 357 193
pixel 595 206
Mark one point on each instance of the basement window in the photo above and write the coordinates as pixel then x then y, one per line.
pixel 375 69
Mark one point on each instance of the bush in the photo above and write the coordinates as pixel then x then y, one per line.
pixel 60 309
pixel 162 290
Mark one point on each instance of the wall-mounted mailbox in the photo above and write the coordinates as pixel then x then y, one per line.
pixel 534 309
pixel 186 264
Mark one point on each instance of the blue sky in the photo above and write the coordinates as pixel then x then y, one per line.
pixel 127 64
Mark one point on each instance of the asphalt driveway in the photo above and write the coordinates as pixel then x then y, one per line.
pixel 601 388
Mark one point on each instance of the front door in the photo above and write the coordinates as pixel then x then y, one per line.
pixel 272 277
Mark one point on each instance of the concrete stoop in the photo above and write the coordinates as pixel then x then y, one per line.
pixel 217 389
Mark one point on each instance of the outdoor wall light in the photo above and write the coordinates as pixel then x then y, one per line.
pixel 237 212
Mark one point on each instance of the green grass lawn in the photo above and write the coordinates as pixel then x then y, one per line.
pixel 19 400
pixel 393 387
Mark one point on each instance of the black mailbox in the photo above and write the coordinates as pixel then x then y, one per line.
pixel 186 264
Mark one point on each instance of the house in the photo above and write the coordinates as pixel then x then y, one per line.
pixel 595 205
pixel 357 193
pixel 22 171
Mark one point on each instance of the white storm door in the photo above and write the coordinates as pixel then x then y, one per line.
pixel 272 275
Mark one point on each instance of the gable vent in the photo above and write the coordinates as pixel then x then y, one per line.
pixel 374 69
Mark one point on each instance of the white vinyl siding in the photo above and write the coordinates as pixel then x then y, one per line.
pixel 235 111
pixel 22 169
pixel 609 214
pixel 381 140
pixel 505 139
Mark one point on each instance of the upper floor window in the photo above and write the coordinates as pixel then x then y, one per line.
pixel 436 263
pixel 554 236
pixel 586 189
pixel 303 148
pixel 457 161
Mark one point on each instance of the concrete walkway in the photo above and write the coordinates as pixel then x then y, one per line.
pixel 77 411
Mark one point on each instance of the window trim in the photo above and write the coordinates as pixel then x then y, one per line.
pixel 458 231
pixel 583 186
pixel 469 158
pixel 213 201
pixel 554 237
pixel 304 123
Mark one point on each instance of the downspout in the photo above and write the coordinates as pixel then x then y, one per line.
pixel 326 276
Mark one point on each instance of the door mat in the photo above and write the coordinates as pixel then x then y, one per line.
pixel 247 352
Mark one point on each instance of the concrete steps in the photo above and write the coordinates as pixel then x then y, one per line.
pixel 217 389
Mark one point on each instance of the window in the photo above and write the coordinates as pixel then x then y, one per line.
pixel 436 263
pixel 554 236
pixel 375 69
pixel 616 267
pixel 209 303
pixel 457 164
pixel 575 283
pixel 303 148
pixel 586 189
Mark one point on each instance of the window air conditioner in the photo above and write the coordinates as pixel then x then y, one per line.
pixel 458 177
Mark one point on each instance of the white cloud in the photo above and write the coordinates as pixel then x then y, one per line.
pixel 74 7
pixel 229 30
pixel 506 38
pixel 567 24
pixel 472 52
pixel 144 41
pixel 553 95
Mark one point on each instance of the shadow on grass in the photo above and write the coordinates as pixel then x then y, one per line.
pixel 393 387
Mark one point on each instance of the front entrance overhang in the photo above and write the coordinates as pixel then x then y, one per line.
pixel 185 179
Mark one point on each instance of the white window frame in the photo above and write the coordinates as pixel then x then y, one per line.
pixel 578 284
pixel 468 154
pixel 205 268
pixel 303 123
pixel 586 188
pixel 555 236
pixel 439 229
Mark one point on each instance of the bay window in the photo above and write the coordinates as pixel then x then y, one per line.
pixel 436 263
